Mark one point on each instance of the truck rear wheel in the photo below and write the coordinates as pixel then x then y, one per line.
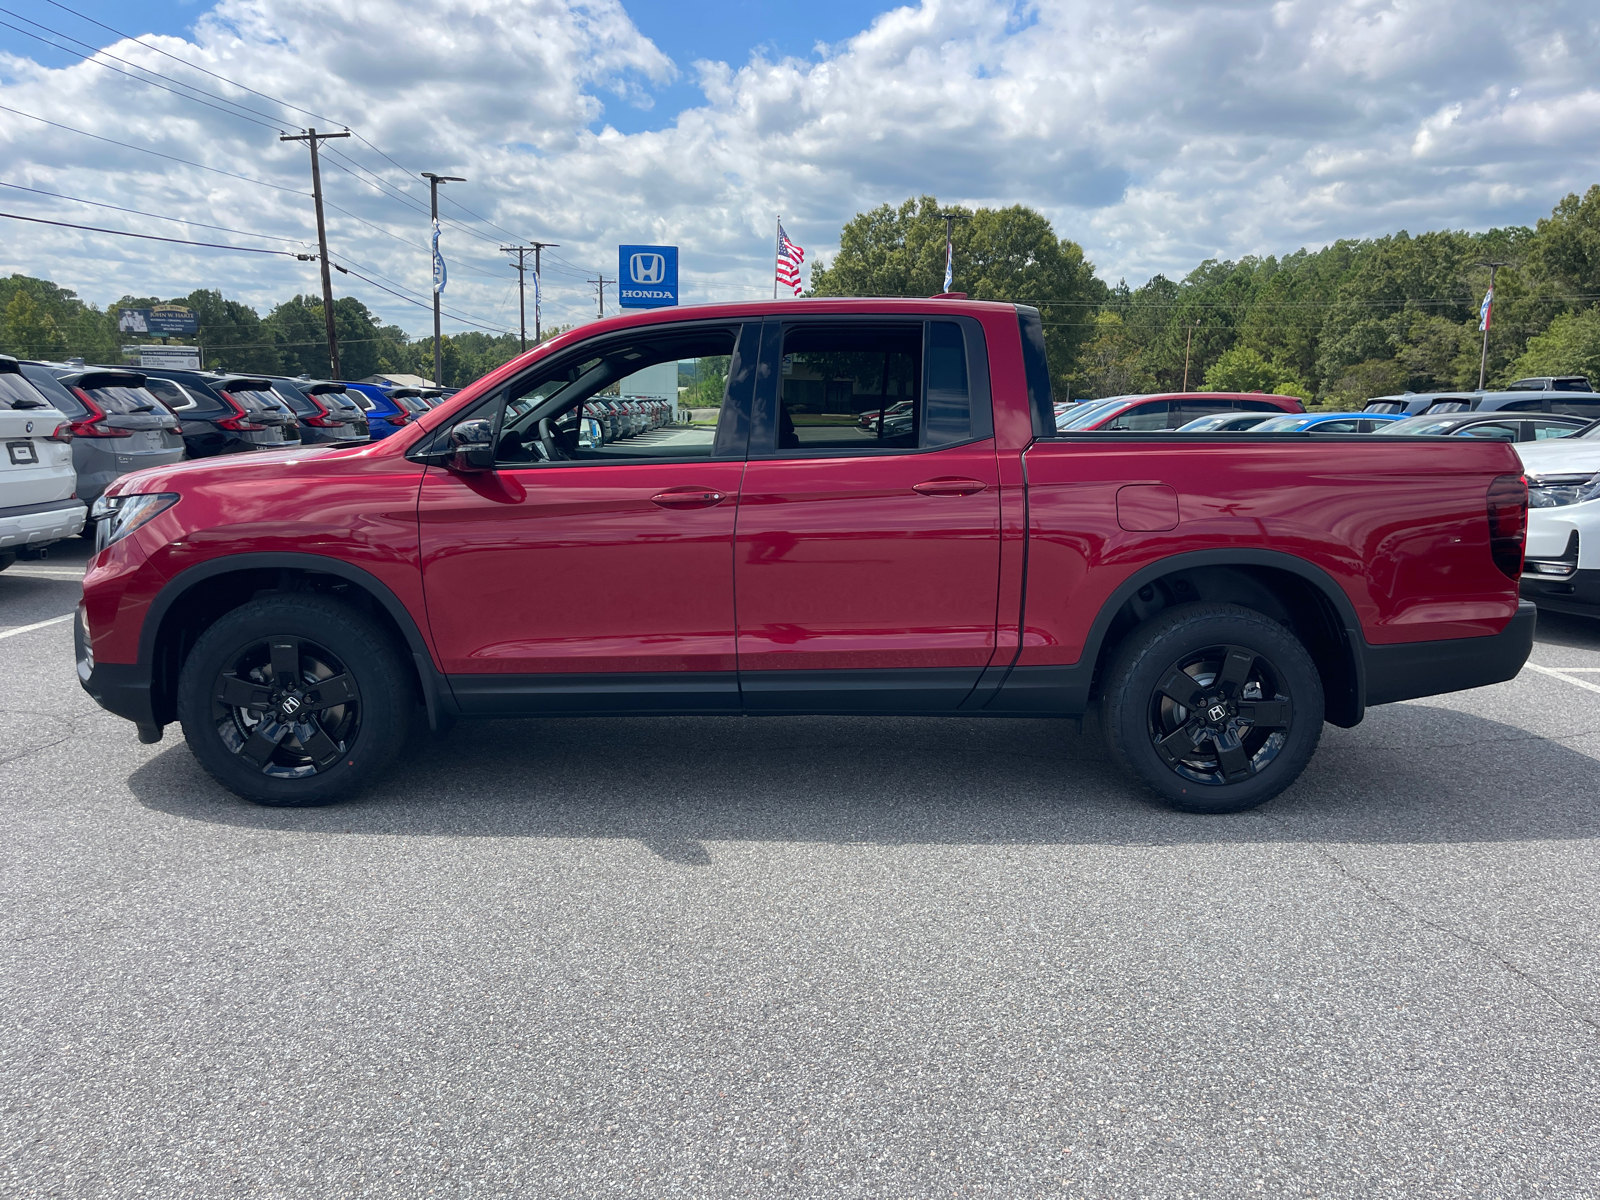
pixel 1213 707
pixel 295 700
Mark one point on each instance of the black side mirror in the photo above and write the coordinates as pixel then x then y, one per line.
pixel 472 446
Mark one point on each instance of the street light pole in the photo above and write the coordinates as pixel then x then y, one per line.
pixel 433 192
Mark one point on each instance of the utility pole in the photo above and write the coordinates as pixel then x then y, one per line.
pixel 438 280
pixel 949 219
pixel 1483 360
pixel 311 137
pixel 522 307
pixel 1188 339
pixel 602 281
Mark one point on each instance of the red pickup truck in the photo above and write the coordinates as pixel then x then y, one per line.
pixel 1214 598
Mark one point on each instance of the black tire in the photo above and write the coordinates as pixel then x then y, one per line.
pixel 334 730
pixel 1253 717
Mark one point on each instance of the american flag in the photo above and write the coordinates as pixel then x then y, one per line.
pixel 790 257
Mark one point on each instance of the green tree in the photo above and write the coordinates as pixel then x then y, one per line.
pixel 1571 346
pixel 1112 363
pixel 1009 254
pixel 30 331
pixel 232 336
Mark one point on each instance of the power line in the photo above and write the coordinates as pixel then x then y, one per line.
pixel 150 237
pixel 154 216
pixel 145 150
pixel 409 300
pixel 94 51
pixel 195 67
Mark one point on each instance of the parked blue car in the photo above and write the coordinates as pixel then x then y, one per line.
pixel 1341 422
pixel 386 413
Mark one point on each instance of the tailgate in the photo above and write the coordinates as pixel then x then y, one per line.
pixel 33 469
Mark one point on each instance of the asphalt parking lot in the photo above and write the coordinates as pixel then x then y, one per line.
pixel 816 957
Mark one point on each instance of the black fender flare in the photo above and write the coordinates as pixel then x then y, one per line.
pixel 1066 688
pixel 434 686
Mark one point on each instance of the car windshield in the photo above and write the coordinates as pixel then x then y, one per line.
pixel 1282 424
pixel 1087 414
pixel 1419 426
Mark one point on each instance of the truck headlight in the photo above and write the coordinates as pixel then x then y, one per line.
pixel 115 517
pixel 1557 491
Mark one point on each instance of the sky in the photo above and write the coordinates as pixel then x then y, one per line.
pixel 1156 134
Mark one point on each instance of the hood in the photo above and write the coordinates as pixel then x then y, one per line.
pixel 1560 456
pixel 176 476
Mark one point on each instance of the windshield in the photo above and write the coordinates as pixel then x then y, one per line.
pixel 1419 426
pixel 1088 414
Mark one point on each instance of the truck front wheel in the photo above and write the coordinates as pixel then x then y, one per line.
pixel 1214 707
pixel 294 700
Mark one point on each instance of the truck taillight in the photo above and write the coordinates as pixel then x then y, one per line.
pixel 91 426
pixel 1508 523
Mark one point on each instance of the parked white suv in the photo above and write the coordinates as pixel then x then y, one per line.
pixel 1561 569
pixel 38 501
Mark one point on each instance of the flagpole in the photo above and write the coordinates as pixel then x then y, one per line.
pixel 777 243
pixel 1484 321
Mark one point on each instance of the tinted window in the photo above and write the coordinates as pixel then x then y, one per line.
pixel 1386 406
pixel 949 416
pixel 1257 406
pixel 1523 406
pixel 1036 368
pixel 53 390
pixel 1188 410
pixel 252 399
pixel 177 397
pixel 113 400
pixel 1150 415
pixel 15 387
pixel 1448 406
pixel 1575 407
pixel 292 397
pixel 1335 427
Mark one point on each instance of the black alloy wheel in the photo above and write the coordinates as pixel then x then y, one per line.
pixel 1215 708
pixel 287 706
pixel 295 699
pixel 1220 715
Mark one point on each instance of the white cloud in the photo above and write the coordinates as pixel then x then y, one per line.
pixel 1155 134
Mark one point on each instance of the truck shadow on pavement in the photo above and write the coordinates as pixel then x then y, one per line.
pixel 1412 773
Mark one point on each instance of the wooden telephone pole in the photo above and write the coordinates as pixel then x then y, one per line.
pixel 311 137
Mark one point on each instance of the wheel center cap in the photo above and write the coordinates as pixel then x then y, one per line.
pixel 1217 714
pixel 290 705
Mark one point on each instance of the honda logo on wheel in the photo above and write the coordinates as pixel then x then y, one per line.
pixel 648 275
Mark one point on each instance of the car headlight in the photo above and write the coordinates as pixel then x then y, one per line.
pixel 1556 491
pixel 115 517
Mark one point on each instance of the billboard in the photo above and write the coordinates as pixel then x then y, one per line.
pixel 162 320
pixel 171 357
pixel 647 276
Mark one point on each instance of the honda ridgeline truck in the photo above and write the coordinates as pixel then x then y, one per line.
pixel 1214 598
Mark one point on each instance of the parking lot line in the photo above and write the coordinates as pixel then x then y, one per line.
pixel 1561 673
pixel 5 633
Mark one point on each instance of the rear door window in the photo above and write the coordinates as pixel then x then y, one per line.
pixel 1335 427
pixel 1264 406
pixel 1538 430
pixel 1505 431
pixel 1573 406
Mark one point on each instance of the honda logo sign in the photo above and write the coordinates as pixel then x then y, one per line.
pixel 647 276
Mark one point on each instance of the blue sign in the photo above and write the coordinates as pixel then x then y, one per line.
pixel 647 276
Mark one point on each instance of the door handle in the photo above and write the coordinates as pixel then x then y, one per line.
pixel 688 497
pixel 949 487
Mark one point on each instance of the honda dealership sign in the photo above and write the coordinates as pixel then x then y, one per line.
pixel 647 276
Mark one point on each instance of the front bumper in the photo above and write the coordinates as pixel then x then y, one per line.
pixel 1412 669
pixel 120 688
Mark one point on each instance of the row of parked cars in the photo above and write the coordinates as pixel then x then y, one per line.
pixel 1528 410
pixel 69 429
